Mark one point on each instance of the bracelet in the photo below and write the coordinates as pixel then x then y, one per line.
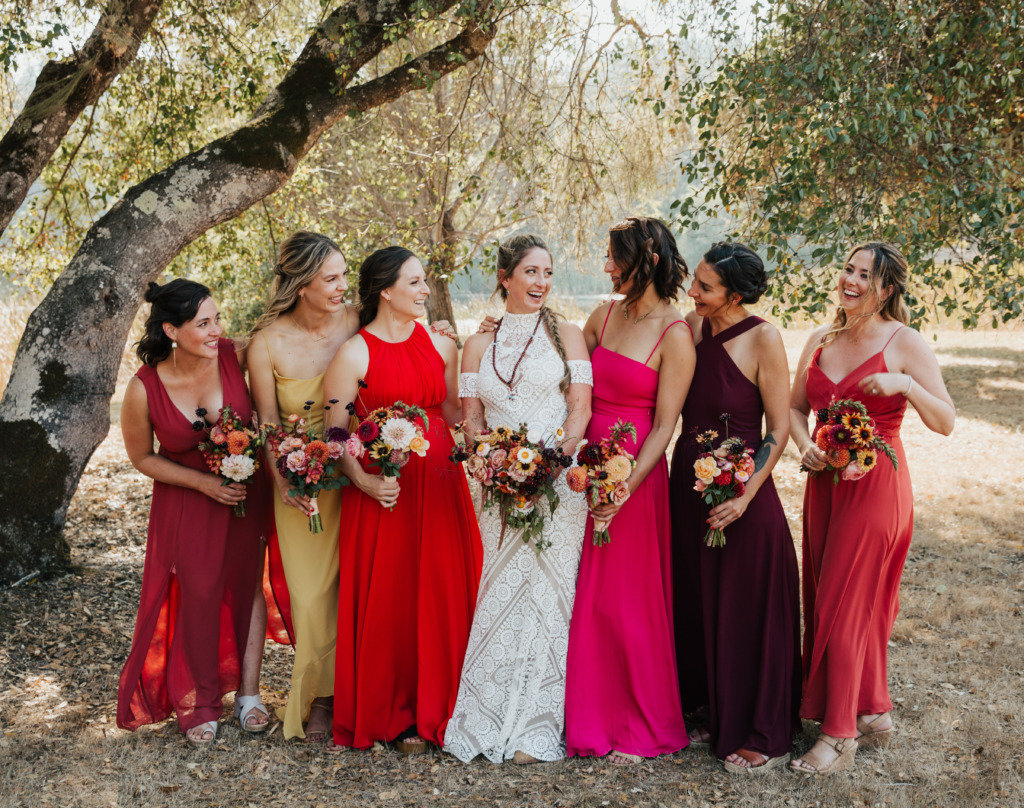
pixel 909 385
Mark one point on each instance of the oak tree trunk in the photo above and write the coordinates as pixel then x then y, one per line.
pixel 55 409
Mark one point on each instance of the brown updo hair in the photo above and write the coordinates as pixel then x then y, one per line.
pixel 298 262
pixel 378 272
pixel 176 302
pixel 511 253
pixel 644 250
pixel 889 268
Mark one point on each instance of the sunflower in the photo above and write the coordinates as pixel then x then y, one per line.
pixel 867 459
pixel 379 451
pixel 864 435
pixel 852 421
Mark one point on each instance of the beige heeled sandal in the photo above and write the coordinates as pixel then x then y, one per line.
pixel 845 749
pixel 872 738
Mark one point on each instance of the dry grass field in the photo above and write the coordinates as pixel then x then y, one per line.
pixel 955 660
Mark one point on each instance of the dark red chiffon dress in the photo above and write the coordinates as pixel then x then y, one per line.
pixel 200 574
pixel 737 607
pixel 409 576
pixel 856 539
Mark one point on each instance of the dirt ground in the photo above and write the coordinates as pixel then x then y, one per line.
pixel 955 661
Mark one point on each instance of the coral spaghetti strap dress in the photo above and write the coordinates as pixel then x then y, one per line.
pixel 621 687
pixel 200 574
pixel 737 607
pixel 409 576
pixel 856 539
pixel 310 564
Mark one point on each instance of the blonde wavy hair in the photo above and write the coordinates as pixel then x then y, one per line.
pixel 889 268
pixel 299 259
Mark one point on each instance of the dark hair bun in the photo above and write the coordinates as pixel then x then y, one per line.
pixel 740 268
pixel 176 302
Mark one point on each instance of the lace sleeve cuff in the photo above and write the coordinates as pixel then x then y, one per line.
pixel 467 385
pixel 580 371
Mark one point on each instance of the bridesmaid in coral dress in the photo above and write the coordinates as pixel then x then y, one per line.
pixel 202 562
pixel 304 324
pixel 857 532
pixel 410 551
pixel 738 606
pixel 622 695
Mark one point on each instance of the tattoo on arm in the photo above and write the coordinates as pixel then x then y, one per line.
pixel 763 451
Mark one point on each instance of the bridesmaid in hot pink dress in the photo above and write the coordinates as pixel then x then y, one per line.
pixel 622 694
pixel 202 562
pixel 857 532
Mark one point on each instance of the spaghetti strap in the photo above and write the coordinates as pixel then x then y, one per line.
pixel 894 333
pixel 266 344
pixel 663 333
pixel 603 327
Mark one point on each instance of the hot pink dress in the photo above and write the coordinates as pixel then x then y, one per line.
pixel 622 691
pixel 856 538
pixel 200 575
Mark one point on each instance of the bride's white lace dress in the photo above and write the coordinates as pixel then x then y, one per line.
pixel 512 693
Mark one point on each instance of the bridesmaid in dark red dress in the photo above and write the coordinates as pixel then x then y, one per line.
pixel 409 550
pixel 857 532
pixel 202 562
pixel 737 607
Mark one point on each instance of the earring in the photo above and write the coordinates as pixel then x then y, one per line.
pixel 174 352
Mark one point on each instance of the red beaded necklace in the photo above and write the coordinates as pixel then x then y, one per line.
pixel 494 356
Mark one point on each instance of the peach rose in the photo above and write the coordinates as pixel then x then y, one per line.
pixel 620 494
pixel 706 469
pixel 419 445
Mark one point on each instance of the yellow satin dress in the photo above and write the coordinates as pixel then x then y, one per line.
pixel 310 563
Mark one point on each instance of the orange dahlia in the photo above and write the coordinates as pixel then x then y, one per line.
pixel 824 439
pixel 576 478
pixel 238 442
pixel 838 457
pixel 317 450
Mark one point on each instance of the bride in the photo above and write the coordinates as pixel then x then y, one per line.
pixel 533 369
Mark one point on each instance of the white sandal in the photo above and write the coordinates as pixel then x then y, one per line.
pixel 244 705
pixel 201 742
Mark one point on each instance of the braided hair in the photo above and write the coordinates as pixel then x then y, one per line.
pixel 511 253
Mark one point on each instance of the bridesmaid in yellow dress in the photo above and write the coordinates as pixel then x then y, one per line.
pixel 304 324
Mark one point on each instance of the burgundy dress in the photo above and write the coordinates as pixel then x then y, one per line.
pixel 200 575
pixel 737 607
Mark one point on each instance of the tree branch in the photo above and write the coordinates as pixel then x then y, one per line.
pixel 62 91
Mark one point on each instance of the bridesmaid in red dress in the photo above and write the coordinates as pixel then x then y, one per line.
pixel 857 533
pixel 202 562
pixel 409 550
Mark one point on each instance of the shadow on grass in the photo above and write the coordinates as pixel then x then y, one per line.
pixel 988 385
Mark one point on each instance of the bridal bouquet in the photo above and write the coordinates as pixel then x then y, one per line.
pixel 848 437
pixel 389 436
pixel 602 470
pixel 514 473
pixel 310 462
pixel 231 449
pixel 722 472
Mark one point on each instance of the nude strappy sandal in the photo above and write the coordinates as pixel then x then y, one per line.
pixel 845 749
pixel 872 738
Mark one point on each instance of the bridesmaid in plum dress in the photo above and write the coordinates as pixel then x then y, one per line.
pixel 737 606
pixel 857 532
pixel 622 696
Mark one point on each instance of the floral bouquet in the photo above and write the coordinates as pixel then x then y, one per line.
pixel 722 472
pixel 389 436
pixel 514 472
pixel 847 436
pixel 309 462
pixel 231 449
pixel 601 472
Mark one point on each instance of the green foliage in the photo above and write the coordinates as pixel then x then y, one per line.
pixel 846 120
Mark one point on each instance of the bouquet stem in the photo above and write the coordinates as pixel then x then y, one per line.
pixel 715 537
pixel 316 523
pixel 239 509
pixel 601 535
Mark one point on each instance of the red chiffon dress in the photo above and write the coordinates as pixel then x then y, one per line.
pixel 409 576
pixel 855 541
pixel 200 574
